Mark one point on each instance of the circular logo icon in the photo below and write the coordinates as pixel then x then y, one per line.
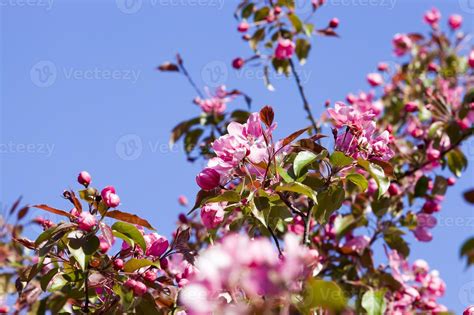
pixel 303 6
pixel 129 6
pixel 43 73
pixel 129 147
pixel 466 294
pixel 467 6
pixel 214 73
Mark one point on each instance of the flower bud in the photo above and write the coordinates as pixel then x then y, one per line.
pixel 208 179
pixel 158 247
pixel 284 49
pixel 455 21
pixel 382 66
pixel 431 206
pixel 469 310
pixel 104 245
pixel 150 275
pixel 394 190
pixel 182 200
pixel 130 283
pixel 451 181
pixel 238 63
pixel 243 27
pixel 109 197
pixel 4 309
pixel 86 221
pixel 470 59
pixel 140 288
pixel 84 178
pixel 411 107
pixel 118 264
pixel 374 79
pixel 334 23
pixel 75 212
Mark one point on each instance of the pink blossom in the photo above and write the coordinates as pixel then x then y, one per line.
pixel 4 309
pixel 212 215
pixel 84 178
pixel 74 212
pixel 431 206
pixel 402 43
pixel 374 79
pixel 284 49
pixel 109 197
pixel 356 245
pixel 432 154
pixel 157 245
pixel 470 59
pixel 86 221
pixel 215 103
pixel 208 179
pixel 455 21
pixel 432 17
pixel 104 245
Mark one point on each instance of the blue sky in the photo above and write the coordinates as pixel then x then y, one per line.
pixel 100 105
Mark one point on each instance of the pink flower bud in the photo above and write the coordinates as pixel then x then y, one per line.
pixel 130 283
pixel 107 190
pixel 118 264
pixel 84 178
pixel 109 197
pixel 469 310
pixel 86 221
pixel 431 206
pixel 374 79
pixel 432 154
pixel 451 181
pixel 433 67
pixel 104 245
pixel 150 275
pixel 277 10
pixel 243 27
pixel 423 234
pixel 182 200
pixel 455 21
pixel 140 288
pixel 4 309
pixel 432 17
pixel 208 179
pixel 334 23
pixel 356 245
pixel 382 66
pixel 164 263
pixel 212 215
pixel 470 59
pixel 284 49
pixel 411 107
pixel 238 63
pixel 394 189
pixel 158 247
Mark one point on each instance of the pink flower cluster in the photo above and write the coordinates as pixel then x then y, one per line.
pixel 420 287
pixel 156 245
pixel 240 269
pixel 243 141
pixel 215 103
pixel 360 137
pixel 285 49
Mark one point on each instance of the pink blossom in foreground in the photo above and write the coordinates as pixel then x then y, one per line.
pixel 215 103
pixel 212 215
pixel 284 49
pixel 455 21
pixel 86 221
pixel 250 267
pixel 402 44
pixel 432 17
pixel 470 59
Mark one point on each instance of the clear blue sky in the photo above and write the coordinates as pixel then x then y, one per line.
pixel 102 92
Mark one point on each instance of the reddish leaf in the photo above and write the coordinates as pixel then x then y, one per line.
pixel 387 167
pixel 469 196
pixel 22 213
pixel 327 32
pixel 293 136
pixel 25 242
pixel 267 115
pixel 416 37
pixel 76 202
pixel 15 205
pixel 55 211
pixel 107 233
pixel 168 66
pixel 128 217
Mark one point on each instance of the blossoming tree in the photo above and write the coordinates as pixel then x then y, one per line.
pixel 284 226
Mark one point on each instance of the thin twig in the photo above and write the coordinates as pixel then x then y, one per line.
pixel 290 205
pixel 306 106
pixel 188 76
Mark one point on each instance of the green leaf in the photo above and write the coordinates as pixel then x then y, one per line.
pixel 302 50
pixel 467 250
pixel 301 160
pixel 374 302
pixel 378 174
pixel 299 188
pixel 296 22
pixel 395 241
pixel 256 38
pixel 44 281
pixel 230 196
pixel 340 160
pixel 308 29
pixel 421 186
pixel 329 200
pixel 457 162
pixel 359 180
pixel 325 294
pixel 247 10
pixel 261 14
pixel 82 248
pixel 440 186
pixel 131 232
pixel 134 264
pixel 342 224
pixel 45 235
